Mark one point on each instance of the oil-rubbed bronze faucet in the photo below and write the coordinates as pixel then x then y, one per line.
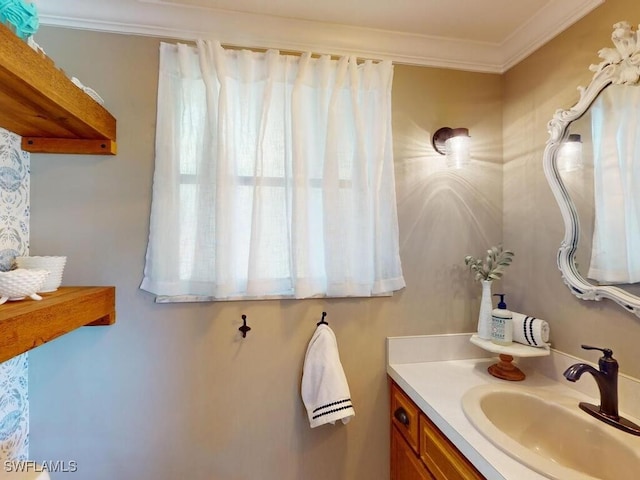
pixel 607 380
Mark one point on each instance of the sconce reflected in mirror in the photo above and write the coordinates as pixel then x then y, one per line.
pixel 570 154
pixel 455 143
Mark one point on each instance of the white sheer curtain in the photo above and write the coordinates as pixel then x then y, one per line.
pixel 274 176
pixel 615 119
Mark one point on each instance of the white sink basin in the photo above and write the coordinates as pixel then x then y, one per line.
pixel 549 433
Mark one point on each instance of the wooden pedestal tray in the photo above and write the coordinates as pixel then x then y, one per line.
pixel 505 369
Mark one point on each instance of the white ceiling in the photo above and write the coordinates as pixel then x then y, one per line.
pixel 476 35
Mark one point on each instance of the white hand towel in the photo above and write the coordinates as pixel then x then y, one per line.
pixel 325 391
pixel 530 330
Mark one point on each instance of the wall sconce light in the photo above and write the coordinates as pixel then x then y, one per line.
pixel 455 143
pixel 570 154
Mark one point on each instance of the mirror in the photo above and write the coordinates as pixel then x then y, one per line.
pixel 579 159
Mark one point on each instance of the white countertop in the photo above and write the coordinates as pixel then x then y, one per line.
pixel 437 387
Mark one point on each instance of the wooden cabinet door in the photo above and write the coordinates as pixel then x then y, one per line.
pixel 441 456
pixel 405 465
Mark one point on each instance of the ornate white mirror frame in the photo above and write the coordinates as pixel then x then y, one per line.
pixel 620 65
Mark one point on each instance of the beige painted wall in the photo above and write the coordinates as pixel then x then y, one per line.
pixel 172 391
pixel 533 227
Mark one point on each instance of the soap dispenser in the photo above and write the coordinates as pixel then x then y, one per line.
pixel 501 323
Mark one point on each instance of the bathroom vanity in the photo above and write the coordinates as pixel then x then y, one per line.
pixel 432 436
pixel 419 450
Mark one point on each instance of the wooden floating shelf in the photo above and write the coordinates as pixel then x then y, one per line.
pixel 26 324
pixel 40 103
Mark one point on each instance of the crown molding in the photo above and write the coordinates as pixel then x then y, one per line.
pixel 183 22
pixel 552 19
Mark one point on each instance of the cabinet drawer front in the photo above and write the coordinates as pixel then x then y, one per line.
pixel 442 457
pixel 404 415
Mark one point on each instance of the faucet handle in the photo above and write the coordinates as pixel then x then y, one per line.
pixel 608 353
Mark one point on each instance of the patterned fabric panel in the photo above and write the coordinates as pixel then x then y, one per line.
pixel 14 241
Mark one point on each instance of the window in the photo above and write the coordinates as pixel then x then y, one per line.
pixel 273 178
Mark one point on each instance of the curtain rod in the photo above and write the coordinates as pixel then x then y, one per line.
pixel 294 52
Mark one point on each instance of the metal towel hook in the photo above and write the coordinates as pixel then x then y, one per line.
pixel 322 320
pixel 244 329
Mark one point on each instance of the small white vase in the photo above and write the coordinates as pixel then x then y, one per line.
pixel 486 306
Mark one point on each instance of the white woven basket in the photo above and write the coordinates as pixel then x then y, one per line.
pixel 55 265
pixel 20 283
